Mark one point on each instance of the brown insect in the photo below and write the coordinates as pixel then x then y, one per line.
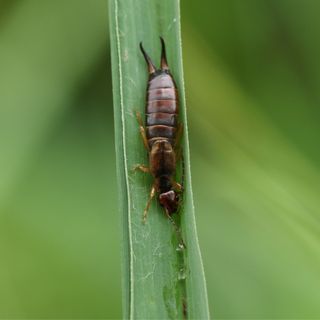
pixel 162 134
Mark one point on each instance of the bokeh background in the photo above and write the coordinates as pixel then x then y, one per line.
pixel 252 73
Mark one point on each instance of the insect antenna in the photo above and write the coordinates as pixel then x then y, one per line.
pixel 177 230
pixel 164 63
pixel 151 67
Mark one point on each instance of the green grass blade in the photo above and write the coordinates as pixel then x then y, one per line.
pixel 159 281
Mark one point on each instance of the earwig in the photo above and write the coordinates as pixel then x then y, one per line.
pixel 162 135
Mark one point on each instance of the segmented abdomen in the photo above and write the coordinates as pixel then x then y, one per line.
pixel 162 108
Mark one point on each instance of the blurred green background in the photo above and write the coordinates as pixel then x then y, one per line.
pixel 252 73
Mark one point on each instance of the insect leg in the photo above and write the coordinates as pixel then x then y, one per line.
pixel 152 194
pixel 142 131
pixel 177 145
pixel 177 186
pixel 178 136
pixel 142 168
pixel 180 186
pixel 178 154
pixel 183 170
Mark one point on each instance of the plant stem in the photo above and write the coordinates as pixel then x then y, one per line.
pixel 160 280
